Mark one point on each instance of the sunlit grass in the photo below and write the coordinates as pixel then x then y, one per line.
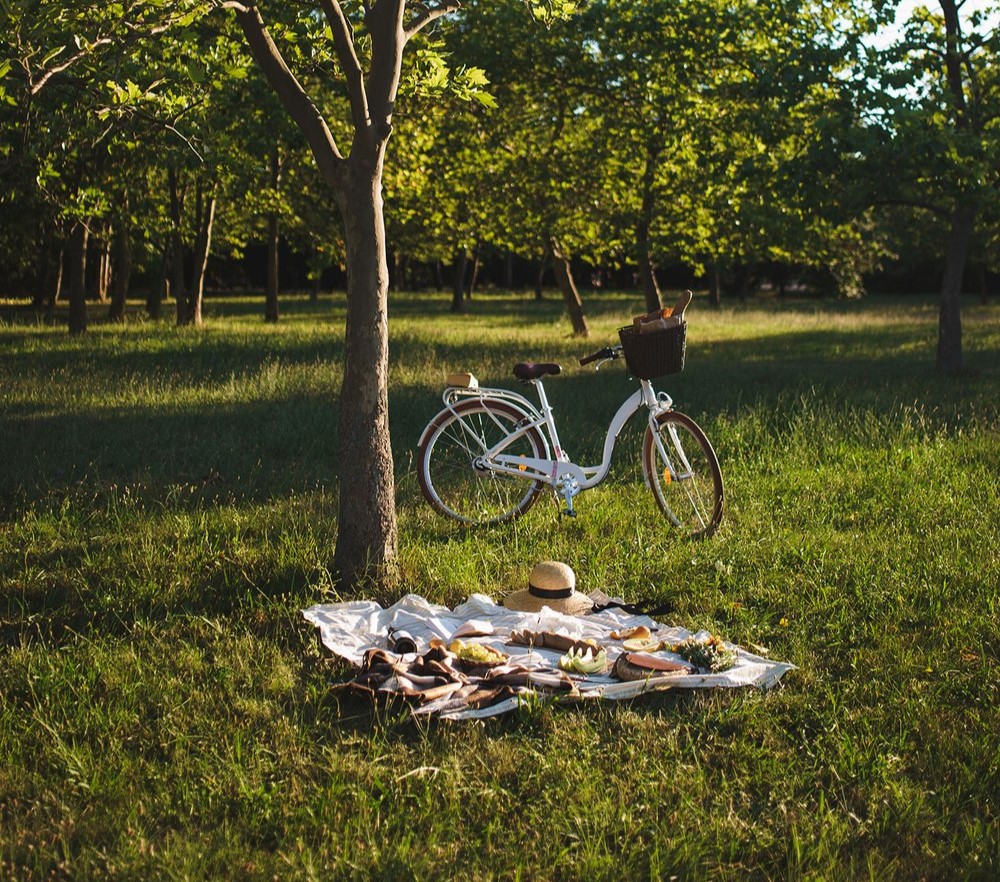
pixel 168 504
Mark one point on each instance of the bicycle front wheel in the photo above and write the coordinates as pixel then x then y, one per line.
pixel 683 472
pixel 453 476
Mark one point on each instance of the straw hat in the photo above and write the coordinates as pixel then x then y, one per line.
pixel 551 584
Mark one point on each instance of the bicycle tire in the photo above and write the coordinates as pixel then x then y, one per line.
pixel 689 491
pixel 448 478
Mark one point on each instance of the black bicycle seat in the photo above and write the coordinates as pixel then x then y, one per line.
pixel 528 370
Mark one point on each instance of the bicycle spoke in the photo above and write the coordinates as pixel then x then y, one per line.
pixel 456 479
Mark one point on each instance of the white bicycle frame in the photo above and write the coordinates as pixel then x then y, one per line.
pixel 566 477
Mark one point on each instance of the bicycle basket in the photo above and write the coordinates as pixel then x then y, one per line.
pixel 654 355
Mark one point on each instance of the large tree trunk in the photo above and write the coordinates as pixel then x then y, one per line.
pixel 78 278
pixel 271 286
pixel 949 349
pixel 458 280
pixel 571 296
pixel 366 538
pixel 122 270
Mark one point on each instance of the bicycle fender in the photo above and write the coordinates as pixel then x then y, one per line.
pixel 452 409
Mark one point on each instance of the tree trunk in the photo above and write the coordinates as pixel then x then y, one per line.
pixel 508 271
pixel 104 267
pixel 48 293
pixel 159 290
pixel 272 284
pixel 78 278
pixel 271 313
pixel 949 348
pixel 202 248
pixel 474 277
pixel 644 258
pixel 458 281
pixel 397 270
pixel 714 286
pixel 178 283
pixel 647 276
pixel 571 296
pixel 315 265
pixel 122 271
pixel 539 280
pixel 746 279
pixel 366 537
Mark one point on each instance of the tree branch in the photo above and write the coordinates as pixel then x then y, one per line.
pixel 385 24
pixel 431 13
pixel 291 94
pixel 939 210
pixel 343 41
pixel 135 34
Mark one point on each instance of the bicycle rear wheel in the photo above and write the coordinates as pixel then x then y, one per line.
pixel 457 483
pixel 684 475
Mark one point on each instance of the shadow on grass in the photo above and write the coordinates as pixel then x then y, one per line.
pixel 394 719
pixel 247 449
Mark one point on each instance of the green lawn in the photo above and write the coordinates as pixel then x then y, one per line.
pixel 168 505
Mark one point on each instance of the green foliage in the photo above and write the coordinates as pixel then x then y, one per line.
pixel 167 507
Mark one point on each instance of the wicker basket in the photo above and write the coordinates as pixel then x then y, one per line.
pixel 654 355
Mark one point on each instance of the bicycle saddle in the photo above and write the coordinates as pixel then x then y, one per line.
pixel 528 370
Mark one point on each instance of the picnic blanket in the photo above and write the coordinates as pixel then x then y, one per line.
pixel 355 630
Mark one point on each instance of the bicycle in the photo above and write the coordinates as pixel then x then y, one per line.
pixel 489 454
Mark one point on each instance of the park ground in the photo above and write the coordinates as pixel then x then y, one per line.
pixel 168 506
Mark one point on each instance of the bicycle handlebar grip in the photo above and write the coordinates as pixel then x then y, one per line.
pixel 601 353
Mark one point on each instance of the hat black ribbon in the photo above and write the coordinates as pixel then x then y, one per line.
pixel 549 593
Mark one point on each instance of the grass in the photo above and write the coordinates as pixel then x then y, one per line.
pixel 168 505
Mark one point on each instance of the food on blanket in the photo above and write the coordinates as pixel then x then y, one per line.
pixel 643 644
pixel 584 661
pixel 477 654
pixel 473 628
pixel 710 654
pixel 550 640
pixel 639 632
pixel 636 666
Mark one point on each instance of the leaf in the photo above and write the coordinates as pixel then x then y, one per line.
pixel 486 99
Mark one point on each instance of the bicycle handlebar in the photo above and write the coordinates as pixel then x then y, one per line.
pixel 606 352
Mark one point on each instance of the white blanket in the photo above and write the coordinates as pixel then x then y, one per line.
pixel 349 629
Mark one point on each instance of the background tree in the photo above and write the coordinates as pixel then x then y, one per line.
pixel 938 109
